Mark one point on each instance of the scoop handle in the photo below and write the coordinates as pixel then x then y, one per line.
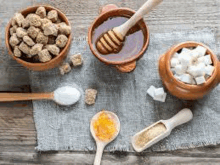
pixel 144 9
pixel 181 117
pixel 24 96
pixel 98 156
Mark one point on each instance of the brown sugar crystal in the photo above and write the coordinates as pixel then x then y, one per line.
pixel 33 32
pixel 41 38
pixel 76 60
pixel 151 133
pixel 41 11
pixel 90 96
pixel 52 15
pixel 61 40
pixel 44 55
pixel 64 68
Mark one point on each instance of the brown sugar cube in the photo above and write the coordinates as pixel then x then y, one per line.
pixel 51 40
pixel 28 41
pixel 53 49
pixel 64 68
pixel 61 40
pixel 13 29
pixel 24 48
pixel 44 55
pixel 36 49
pixel 76 59
pixel 34 20
pixel 52 15
pixel 50 29
pixel 33 32
pixel 18 17
pixel 25 23
pixel 90 96
pixel 41 38
pixel 44 21
pixel 20 32
pixel 17 52
pixel 41 11
pixel 63 28
pixel 14 40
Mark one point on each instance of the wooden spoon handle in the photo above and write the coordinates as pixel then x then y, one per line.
pixel 98 156
pixel 145 8
pixel 24 96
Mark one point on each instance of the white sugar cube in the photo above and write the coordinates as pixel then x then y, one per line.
pixel 178 77
pixel 158 92
pixel 201 51
pixel 200 59
pixel 180 69
pixel 186 78
pixel 209 70
pixel 207 60
pixel 185 59
pixel 200 80
pixel 185 50
pixel 161 98
pixel 151 90
pixel 174 62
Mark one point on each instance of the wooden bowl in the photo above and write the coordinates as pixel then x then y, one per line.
pixel 39 66
pixel 111 10
pixel 180 89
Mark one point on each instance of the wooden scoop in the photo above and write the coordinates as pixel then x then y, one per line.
pixel 112 41
pixel 99 143
pixel 181 117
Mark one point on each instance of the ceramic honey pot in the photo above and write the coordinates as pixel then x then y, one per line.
pixel 125 64
pixel 180 89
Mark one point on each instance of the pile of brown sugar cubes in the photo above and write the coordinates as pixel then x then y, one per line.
pixel 39 36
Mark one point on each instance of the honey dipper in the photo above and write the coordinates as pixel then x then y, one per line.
pixel 112 40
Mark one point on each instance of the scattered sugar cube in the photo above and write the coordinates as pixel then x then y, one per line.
pixel 186 78
pixel 61 40
pixel 76 59
pixel 44 55
pixel 209 70
pixel 52 15
pixel 158 92
pixel 90 96
pixel 200 80
pixel 64 68
pixel 41 11
pixel 53 49
pixel 151 90
pixel 174 62
pixel 161 98
pixel 180 69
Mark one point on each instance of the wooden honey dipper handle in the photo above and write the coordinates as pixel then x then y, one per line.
pixel 144 9
pixel 24 96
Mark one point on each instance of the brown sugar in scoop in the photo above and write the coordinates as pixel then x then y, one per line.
pixel 112 40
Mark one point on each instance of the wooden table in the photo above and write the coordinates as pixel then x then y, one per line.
pixel 17 129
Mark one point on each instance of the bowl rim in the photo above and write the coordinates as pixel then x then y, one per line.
pixel 134 57
pixel 26 63
pixel 178 47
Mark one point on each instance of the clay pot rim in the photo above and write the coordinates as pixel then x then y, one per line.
pixel 179 46
pixel 30 64
pixel 134 57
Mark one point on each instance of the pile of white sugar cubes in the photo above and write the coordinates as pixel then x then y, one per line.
pixel 192 66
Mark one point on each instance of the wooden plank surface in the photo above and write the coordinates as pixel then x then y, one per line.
pixel 17 129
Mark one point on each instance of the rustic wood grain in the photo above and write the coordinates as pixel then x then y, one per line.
pixel 17 129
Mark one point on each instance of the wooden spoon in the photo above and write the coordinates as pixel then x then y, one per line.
pixel 112 41
pixel 99 143
pixel 181 117
pixel 60 96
